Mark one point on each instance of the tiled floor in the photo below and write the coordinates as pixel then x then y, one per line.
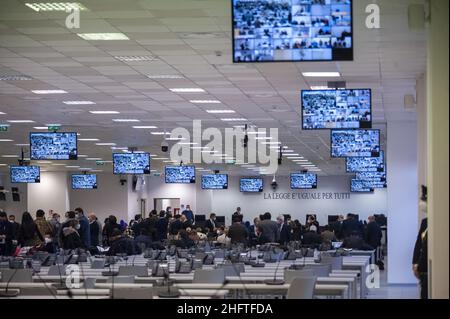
pixel 393 291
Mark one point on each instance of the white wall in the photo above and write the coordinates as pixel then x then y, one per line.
pixel 402 200
pixel 109 199
pixel 50 193
pixel 158 189
pixel 135 196
pixel 10 207
pixel 225 202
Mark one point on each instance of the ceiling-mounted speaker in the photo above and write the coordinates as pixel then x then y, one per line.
pixel 416 17
pixel 410 102
pixel 337 85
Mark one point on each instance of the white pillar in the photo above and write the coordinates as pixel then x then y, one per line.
pixel 402 199
pixel 438 142
pixel 50 193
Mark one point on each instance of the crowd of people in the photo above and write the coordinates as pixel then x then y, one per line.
pixel 163 228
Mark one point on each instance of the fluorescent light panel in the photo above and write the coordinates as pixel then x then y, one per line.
pixel 78 102
pixel 145 127
pixel 55 6
pixel 321 74
pixel 205 101
pixel 104 112
pixel 49 91
pixel 103 36
pixel 187 90
pixel 20 121
pixel 220 111
pixel 125 120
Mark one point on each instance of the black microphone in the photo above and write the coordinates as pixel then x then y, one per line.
pixel 61 285
pixel 275 281
pixel 170 292
pixel 7 293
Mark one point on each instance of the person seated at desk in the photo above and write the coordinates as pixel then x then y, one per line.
pixel 222 237
pixel 182 240
pixel 356 242
pixel 238 232
pixel 311 237
pixel 327 237
pixel 185 222
pixel 120 244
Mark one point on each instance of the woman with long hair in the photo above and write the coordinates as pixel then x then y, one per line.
pixel 29 234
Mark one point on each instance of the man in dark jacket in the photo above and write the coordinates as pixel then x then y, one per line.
pixel 285 231
pixel 238 233
pixel 161 226
pixel 6 235
pixel 269 230
pixel 420 255
pixel 120 244
pixel 373 233
pixel 350 226
pixel 84 227
pixel 15 227
pixel 94 230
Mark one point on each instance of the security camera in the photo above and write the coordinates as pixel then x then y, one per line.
pixel 274 184
pixel 123 181
pixel 164 146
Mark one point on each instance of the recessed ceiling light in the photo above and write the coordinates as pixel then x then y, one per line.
pixel 96 170
pixel 238 119
pixel 136 58
pixel 208 151
pixel 6 140
pixel 104 112
pixel 72 166
pixel 145 127
pixel 119 148
pixel 85 168
pixel 15 78
pixel 263 138
pixel 205 101
pixel 93 159
pixel 88 140
pixel 3 164
pixel 12 156
pixel 78 102
pixel 105 144
pixel 44 162
pixel 160 158
pixel 22 144
pixel 165 76
pixel 187 143
pixel 270 143
pixel 319 87
pixel 175 138
pixel 321 74
pixel 187 90
pixel 2 113
pixel 48 91
pixel 199 147
pixel 103 36
pixel 20 121
pixel 220 111
pixel 160 133
pixel 296 157
pixel 82 155
pixel 56 6
pixel 41 127
pixel 58 164
pixel 125 120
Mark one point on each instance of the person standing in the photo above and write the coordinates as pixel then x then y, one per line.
pixel 29 234
pixel 189 214
pixel 284 230
pixel 94 230
pixel 420 255
pixel 6 235
pixel 15 227
pixel 44 226
pixel 84 227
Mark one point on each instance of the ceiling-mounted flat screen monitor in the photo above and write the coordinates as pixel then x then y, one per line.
pixel 303 181
pixel 336 109
pixel 215 181
pixel 180 174
pixel 355 143
pixel 84 181
pixel 25 174
pixel 365 164
pixel 131 163
pixel 371 176
pixel 358 186
pixel 251 185
pixel 292 30
pixel 53 146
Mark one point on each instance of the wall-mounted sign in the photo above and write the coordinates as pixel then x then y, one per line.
pixel 4 128
pixel 307 196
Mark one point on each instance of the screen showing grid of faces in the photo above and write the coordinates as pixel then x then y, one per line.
pixel 53 146
pixel 365 164
pixel 378 179
pixel 292 30
pixel 84 181
pixel 330 109
pixel 131 163
pixel 372 183
pixel 355 143
pixel 358 186
pixel 251 185
pixel 25 174
pixel 180 174
pixel 215 181
pixel 303 181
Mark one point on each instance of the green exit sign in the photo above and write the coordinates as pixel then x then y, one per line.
pixel 53 128
pixel 4 128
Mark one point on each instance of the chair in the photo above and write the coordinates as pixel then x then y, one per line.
pixel 139 271
pixel 321 270
pixel 98 264
pixel 57 270
pixel 121 280
pixel 17 275
pixel 133 293
pixel 301 288
pixel 290 275
pixel 335 262
pixel 209 276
